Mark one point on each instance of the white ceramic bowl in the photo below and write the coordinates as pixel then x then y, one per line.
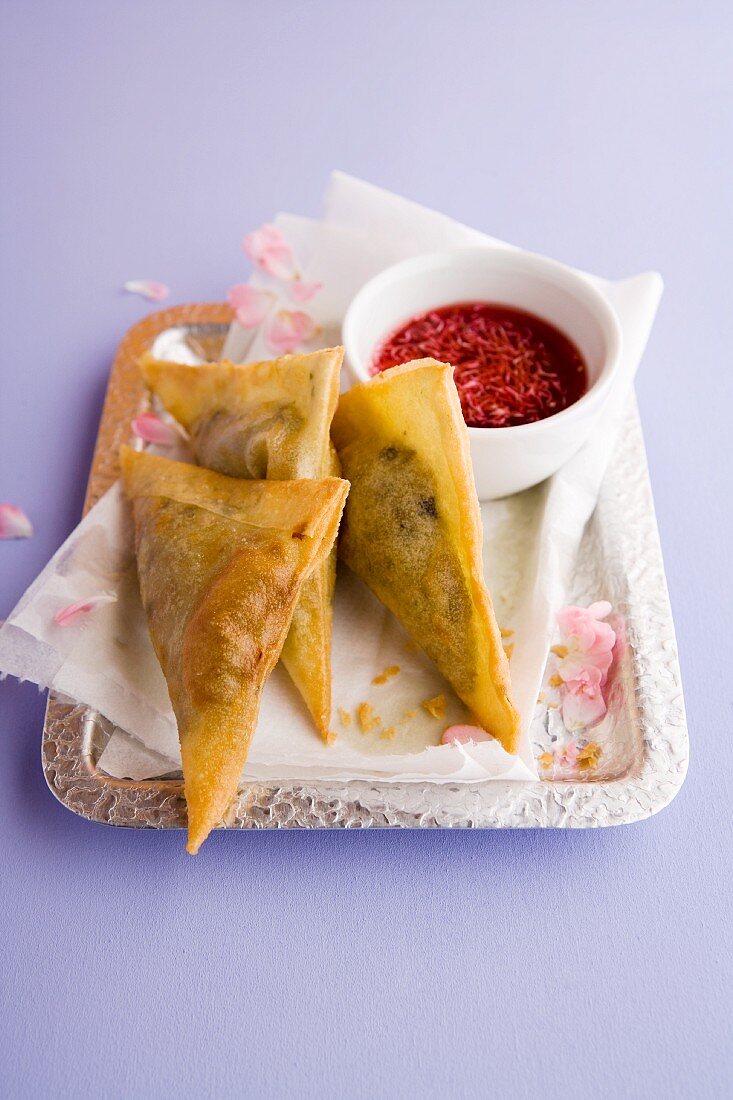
pixel 505 460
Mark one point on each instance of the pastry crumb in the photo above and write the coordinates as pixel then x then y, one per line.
pixel 388 734
pixel 345 717
pixel 330 737
pixel 409 714
pixel 368 720
pixel 589 756
pixel 559 651
pixel 388 673
pixel 555 681
pixel 436 706
pixel 509 649
pixel 541 697
pixel 506 633
pixel 546 760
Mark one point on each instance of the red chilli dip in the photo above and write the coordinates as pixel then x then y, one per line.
pixel 509 366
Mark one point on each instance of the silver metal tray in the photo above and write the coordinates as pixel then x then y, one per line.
pixel 643 739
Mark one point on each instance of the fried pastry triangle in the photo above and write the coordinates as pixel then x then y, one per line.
pixel 221 564
pixel 268 420
pixel 412 529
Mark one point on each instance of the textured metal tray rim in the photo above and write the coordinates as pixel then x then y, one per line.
pixel 171 789
pixel 642 791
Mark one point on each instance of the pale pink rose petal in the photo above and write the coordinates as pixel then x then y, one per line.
pixel 249 304
pixel 267 236
pixel 600 610
pixel 578 664
pixel 584 624
pixel 147 288
pixel 290 328
pixel 574 615
pixel 152 429
pixel 621 645
pixel 14 523
pixel 585 677
pixel 303 292
pixel 464 734
pixel 599 657
pixel 583 705
pixel 575 623
pixel 75 612
pixel 270 252
pixel 567 755
pixel 588 640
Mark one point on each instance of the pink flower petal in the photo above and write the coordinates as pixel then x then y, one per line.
pixel 303 292
pixel 75 612
pixel 147 288
pixel 588 640
pixel 152 429
pixel 290 328
pixel 14 523
pixel 249 304
pixel 600 610
pixel 270 252
pixel 573 669
pixel 464 734
pixel 267 236
pixel 582 706
pixel 588 680
pixel 567 755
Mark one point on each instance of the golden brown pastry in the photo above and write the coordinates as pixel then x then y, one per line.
pixel 269 420
pixel 412 529
pixel 221 564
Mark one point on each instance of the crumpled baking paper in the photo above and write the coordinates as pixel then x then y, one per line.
pixel 107 661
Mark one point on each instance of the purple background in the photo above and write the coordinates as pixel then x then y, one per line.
pixel 142 140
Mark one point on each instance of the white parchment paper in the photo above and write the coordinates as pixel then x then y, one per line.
pixel 531 541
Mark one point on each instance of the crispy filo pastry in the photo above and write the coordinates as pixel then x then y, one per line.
pixel 412 529
pixel 269 420
pixel 221 564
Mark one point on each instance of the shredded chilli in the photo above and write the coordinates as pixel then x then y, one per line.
pixel 510 367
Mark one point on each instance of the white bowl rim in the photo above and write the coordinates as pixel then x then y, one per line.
pixel 577 284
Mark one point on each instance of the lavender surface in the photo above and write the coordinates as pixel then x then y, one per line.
pixel 141 141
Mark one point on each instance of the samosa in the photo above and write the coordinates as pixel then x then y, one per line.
pixel 268 420
pixel 221 564
pixel 412 529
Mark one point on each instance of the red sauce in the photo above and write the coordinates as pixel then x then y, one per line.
pixel 509 366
